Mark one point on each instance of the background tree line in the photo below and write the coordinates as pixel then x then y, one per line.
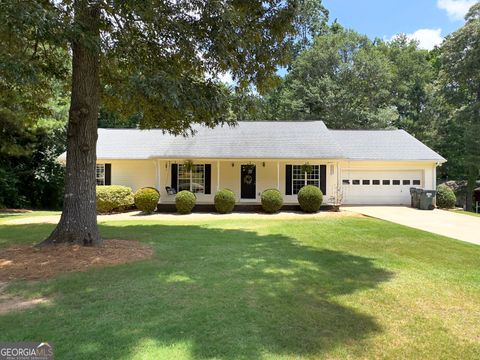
pixel 337 75
pixel 352 82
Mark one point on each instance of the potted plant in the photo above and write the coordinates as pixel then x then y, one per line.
pixel 188 165
pixel 307 168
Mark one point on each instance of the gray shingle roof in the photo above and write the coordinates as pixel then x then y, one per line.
pixel 249 140
pixel 383 145
pixel 263 139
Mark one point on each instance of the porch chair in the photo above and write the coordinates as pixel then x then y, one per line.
pixel 170 190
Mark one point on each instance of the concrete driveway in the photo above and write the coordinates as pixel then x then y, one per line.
pixel 446 223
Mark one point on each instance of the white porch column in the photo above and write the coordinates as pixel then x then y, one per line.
pixel 218 175
pixel 278 175
pixel 158 174
pixel 155 163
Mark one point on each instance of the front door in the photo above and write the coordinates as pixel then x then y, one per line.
pixel 248 179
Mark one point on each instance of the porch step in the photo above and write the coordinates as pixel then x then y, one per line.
pixel 209 208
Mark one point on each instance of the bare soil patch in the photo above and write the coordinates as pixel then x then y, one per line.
pixel 10 303
pixel 27 262
pixel 17 303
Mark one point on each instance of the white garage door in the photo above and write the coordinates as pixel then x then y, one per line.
pixel 379 187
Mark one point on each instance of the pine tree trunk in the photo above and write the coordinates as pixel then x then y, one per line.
pixel 474 152
pixel 78 223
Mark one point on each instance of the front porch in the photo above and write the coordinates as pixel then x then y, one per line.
pixel 246 178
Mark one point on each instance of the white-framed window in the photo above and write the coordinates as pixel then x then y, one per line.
pixel 301 178
pixel 193 180
pixel 100 174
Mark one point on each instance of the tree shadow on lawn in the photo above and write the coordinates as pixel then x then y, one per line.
pixel 221 293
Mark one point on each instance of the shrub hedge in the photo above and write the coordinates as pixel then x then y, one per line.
pixel 114 197
pixel 224 201
pixel 272 200
pixel 185 201
pixel 146 199
pixel 310 198
pixel 446 198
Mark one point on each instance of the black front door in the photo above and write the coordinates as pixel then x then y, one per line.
pixel 248 179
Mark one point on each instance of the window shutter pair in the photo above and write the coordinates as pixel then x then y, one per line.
pixel 208 178
pixel 288 179
pixel 108 174
pixel 174 177
pixel 323 179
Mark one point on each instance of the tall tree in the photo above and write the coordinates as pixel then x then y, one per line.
pixel 311 21
pixel 461 76
pixel 32 75
pixel 159 59
pixel 412 89
pixel 349 81
pixel 343 79
pixel 29 70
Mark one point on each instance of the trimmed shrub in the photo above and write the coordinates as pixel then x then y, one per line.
pixel 185 201
pixel 272 200
pixel 146 199
pixel 310 198
pixel 446 198
pixel 113 197
pixel 224 201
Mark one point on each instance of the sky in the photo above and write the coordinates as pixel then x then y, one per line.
pixel 427 21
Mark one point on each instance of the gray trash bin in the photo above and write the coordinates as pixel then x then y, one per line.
pixel 415 194
pixel 414 197
pixel 427 199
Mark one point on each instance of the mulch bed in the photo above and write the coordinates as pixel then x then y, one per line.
pixel 27 262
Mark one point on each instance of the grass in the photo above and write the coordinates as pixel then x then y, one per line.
pixel 325 288
pixel 460 211
pixel 5 216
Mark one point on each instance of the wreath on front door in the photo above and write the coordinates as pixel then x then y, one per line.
pixel 248 179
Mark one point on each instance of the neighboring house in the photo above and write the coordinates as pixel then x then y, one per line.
pixel 349 166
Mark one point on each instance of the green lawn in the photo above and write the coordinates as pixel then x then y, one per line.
pixel 4 216
pixel 458 211
pixel 326 288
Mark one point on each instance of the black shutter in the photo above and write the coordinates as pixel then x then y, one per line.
pixel 208 178
pixel 174 176
pixel 108 174
pixel 323 179
pixel 288 179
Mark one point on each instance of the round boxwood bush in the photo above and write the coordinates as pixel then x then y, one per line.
pixel 446 198
pixel 272 200
pixel 310 198
pixel 185 201
pixel 224 201
pixel 114 197
pixel 146 199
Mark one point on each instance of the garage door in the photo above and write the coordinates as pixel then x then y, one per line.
pixel 379 187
